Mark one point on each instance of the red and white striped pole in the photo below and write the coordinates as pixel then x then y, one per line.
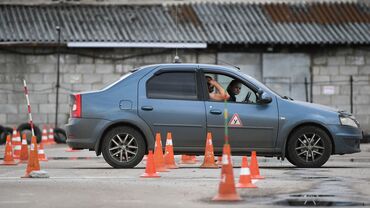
pixel 33 159
pixel 29 106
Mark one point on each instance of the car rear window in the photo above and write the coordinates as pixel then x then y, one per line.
pixel 173 85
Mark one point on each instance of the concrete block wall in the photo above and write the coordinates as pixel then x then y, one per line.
pixel 82 70
pixel 77 73
pixel 331 70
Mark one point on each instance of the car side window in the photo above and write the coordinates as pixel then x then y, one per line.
pixel 238 91
pixel 173 85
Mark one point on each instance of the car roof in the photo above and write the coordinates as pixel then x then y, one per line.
pixel 195 65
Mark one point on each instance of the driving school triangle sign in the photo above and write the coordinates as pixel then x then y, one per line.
pixel 235 120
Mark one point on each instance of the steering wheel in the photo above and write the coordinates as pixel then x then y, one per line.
pixel 247 97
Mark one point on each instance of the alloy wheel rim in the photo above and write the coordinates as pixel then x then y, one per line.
pixel 309 147
pixel 123 147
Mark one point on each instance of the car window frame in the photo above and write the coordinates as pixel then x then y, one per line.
pixel 199 91
pixel 248 84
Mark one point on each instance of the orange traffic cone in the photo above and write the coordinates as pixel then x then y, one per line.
pixel 227 190
pixel 8 154
pixel 209 157
pixel 51 136
pixel 158 154
pixel 245 180
pixel 17 144
pixel 33 160
pixel 44 138
pixel 219 160
pixel 41 153
pixel 255 171
pixel 194 158
pixel 24 150
pixel 69 149
pixel 169 158
pixel 187 159
pixel 150 171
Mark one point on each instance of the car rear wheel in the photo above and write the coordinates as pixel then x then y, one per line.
pixel 309 147
pixel 123 147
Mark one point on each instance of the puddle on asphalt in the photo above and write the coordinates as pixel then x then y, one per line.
pixel 336 192
pixel 317 200
pixel 310 195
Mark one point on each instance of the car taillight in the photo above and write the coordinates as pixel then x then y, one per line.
pixel 76 107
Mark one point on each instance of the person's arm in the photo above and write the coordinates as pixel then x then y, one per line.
pixel 221 93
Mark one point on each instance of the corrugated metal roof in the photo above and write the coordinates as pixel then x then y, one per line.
pixel 212 23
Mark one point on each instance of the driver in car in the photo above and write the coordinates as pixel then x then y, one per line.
pixel 233 89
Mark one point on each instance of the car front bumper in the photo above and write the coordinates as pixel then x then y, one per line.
pixel 83 133
pixel 346 139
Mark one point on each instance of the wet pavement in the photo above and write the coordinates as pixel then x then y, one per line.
pixel 80 179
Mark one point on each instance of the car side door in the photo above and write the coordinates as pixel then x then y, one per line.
pixel 170 101
pixel 251 126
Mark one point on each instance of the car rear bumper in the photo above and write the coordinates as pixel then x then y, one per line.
pixel 346 139
pixel 83 133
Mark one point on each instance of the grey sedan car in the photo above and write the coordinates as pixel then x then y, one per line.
pixel 120 121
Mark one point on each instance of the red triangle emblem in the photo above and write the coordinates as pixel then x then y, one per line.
pixel 235 120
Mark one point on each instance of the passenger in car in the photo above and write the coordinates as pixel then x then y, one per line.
pixel 218 95
pixel 233 89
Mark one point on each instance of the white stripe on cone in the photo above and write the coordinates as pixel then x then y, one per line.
pixel 245 171
pixel 169 142
pixel 225 161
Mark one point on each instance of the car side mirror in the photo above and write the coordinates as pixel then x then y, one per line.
pixel 263 97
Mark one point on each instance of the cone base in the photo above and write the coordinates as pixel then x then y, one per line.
pixel 43 160
pixel 9 163
pixel 227 197
pixel 258 177
pixel 209 166
pixel 188 162
pixel 172 167
pixel 162 170
pixel 243 185
pixel 71 150
pixel 151 175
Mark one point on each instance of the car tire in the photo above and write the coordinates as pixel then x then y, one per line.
pixel 26 127
pixel 3 134
pixel 60 136
pixel 126 140
pixel 309 147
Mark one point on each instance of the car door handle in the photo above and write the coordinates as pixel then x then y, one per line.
pixel 147 108
pixel 216 111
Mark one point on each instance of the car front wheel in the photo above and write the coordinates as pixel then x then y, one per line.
pixel 123 147
pixel 309 147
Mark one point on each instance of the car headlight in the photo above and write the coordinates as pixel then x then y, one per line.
pixel 348 121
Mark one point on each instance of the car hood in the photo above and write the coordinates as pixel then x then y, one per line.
pixel 315 106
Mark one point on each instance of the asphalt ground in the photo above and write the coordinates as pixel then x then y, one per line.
pixel 80 179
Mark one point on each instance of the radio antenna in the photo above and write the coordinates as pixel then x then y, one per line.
pixel 177 58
